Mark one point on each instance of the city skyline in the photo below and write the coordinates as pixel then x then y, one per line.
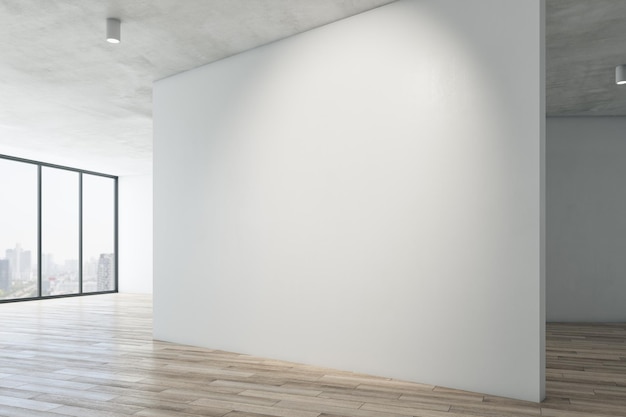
pixel 19 274
pixel 3 254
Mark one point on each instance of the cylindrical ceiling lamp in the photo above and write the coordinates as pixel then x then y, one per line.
pixel 620 74
pixel 113 30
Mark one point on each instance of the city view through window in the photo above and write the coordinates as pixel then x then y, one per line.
pixel 76 213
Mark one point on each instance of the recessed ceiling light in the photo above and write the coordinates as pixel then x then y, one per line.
pixel 113 30
pixel 620 74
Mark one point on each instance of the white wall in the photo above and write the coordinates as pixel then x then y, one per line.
pixel 135 234
pixel 586 215
pixel 365 196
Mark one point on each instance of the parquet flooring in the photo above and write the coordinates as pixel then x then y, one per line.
pixel 95 357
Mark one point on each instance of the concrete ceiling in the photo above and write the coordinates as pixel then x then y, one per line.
pixel 68 97
pixel 585 40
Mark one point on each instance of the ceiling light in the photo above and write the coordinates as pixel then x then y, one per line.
pixel 113 30
pixel 620 74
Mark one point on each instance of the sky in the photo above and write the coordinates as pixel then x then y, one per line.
pixel 18 211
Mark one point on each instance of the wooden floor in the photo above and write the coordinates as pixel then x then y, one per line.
pixel 94 356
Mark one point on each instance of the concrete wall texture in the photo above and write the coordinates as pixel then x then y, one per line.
pixel 586 219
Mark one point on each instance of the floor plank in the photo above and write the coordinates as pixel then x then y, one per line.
pixel 94 357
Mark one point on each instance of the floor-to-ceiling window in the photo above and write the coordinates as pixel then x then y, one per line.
pixel 18 230
pixel 58 230
pixel 98 233
pixel 60 220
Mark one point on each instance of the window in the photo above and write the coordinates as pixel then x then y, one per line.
pixel 98 233
pixel 58 231
pixel 18 230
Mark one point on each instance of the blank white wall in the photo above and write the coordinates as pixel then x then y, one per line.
pixel 364 196
pixel 135 234
pixel 586 215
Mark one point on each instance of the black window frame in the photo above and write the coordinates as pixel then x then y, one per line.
pixel 80 172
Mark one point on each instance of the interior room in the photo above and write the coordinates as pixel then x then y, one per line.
pixel 332 208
